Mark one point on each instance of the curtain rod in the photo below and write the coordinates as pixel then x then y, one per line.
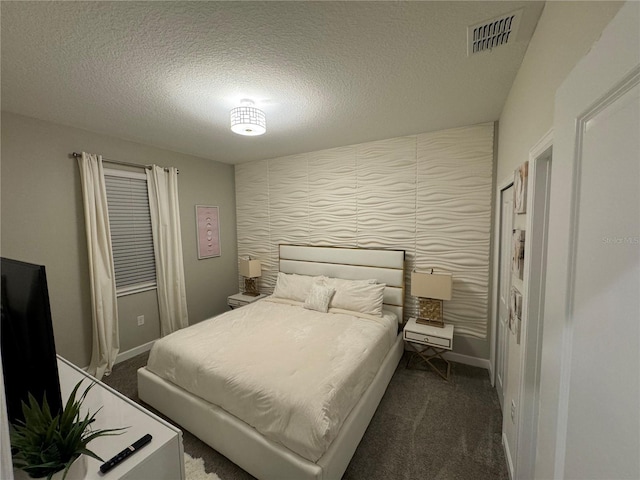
pixel 117 162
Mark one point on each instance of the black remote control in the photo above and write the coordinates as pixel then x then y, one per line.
pixel 124 454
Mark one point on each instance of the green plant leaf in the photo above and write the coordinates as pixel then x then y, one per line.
pixel 70 409
pixel 91 454
pixel 105 433
pixel 43 444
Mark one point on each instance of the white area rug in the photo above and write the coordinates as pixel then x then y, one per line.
pixel 194 469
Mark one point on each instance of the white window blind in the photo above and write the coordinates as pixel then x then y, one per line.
pixel 131 235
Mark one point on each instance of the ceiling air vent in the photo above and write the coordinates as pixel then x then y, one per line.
pixel 493 33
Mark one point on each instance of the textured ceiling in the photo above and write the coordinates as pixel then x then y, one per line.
pixel 325 73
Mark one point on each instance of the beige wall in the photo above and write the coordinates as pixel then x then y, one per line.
pixel 42 221
pixel 565 33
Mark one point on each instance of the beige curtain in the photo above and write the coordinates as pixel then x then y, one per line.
pixel 106 343
pixel 167 243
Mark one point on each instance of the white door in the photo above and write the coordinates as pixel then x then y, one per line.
pixel 504 285
pixel 592 301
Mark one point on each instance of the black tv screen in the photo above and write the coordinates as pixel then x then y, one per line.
pixel 28 348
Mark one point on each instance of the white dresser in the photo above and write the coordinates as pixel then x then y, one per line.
pixel 162 459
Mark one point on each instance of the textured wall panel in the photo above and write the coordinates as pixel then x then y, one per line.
pixel 332 197
pixel 428 194
pixel 288 207
pixel 252 212
pixel 454 218
pixel 386 189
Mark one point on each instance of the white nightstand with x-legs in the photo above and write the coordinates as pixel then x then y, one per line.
pixel 429 342
pixel 240 299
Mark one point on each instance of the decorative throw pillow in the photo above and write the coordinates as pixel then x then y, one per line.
pixel 319 298
pixel 364 296
pixel 294 287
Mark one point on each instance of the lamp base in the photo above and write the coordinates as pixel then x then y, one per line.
pixel 430 312
pixel 428 321
pixel 251 287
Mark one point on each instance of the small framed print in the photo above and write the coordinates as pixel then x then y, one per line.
pixel 520 181
pixel 517 253
pixel 208 231
pixel 515 313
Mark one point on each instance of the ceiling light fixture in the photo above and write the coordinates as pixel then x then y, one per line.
pixel 248 120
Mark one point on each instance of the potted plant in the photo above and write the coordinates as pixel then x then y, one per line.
pixel 46 446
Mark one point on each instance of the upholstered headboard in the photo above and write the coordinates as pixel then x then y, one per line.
pixel 386 266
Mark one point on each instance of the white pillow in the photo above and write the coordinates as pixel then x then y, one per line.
pixel 319 298
pixel 364 296
pixel 294 287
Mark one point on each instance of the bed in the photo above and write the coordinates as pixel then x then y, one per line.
pixel 327 390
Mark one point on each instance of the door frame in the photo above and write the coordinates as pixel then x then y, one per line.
pixel 615 91
pixel 495 297
pixel 618 41
pixel 538 198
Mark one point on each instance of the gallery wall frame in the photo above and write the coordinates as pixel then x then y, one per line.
pixel 208 231
pixel 520 181
pixel 515 313
pixel 517 253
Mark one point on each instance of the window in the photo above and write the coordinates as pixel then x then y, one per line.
pixel 131 235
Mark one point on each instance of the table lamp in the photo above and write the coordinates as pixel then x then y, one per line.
pixel 250 270
pixel 431 288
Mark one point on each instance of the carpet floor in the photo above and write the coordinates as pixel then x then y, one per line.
pixel 425 428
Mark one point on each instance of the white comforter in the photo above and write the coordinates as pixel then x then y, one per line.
pixel 291 373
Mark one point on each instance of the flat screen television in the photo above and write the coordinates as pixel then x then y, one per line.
pixel 28 348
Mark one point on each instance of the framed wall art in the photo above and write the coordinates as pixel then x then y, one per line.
pixel 517 253
pixel 208 231
pixel 520 181
pixel 515 313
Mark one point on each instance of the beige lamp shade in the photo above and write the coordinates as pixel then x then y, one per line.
pixel 250 268
pixel 431 285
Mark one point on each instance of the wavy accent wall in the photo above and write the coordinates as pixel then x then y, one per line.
pixel 428 194
pixel 453 218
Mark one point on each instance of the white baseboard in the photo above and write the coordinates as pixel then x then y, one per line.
pixel 468 360
pixel 507 454
pixel 465 359
pixel 122 356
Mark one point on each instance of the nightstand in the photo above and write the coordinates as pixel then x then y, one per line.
pixel 429 342
pixel 240 300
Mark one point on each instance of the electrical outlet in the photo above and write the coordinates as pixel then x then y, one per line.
pixel 140 320
pixel 513 411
